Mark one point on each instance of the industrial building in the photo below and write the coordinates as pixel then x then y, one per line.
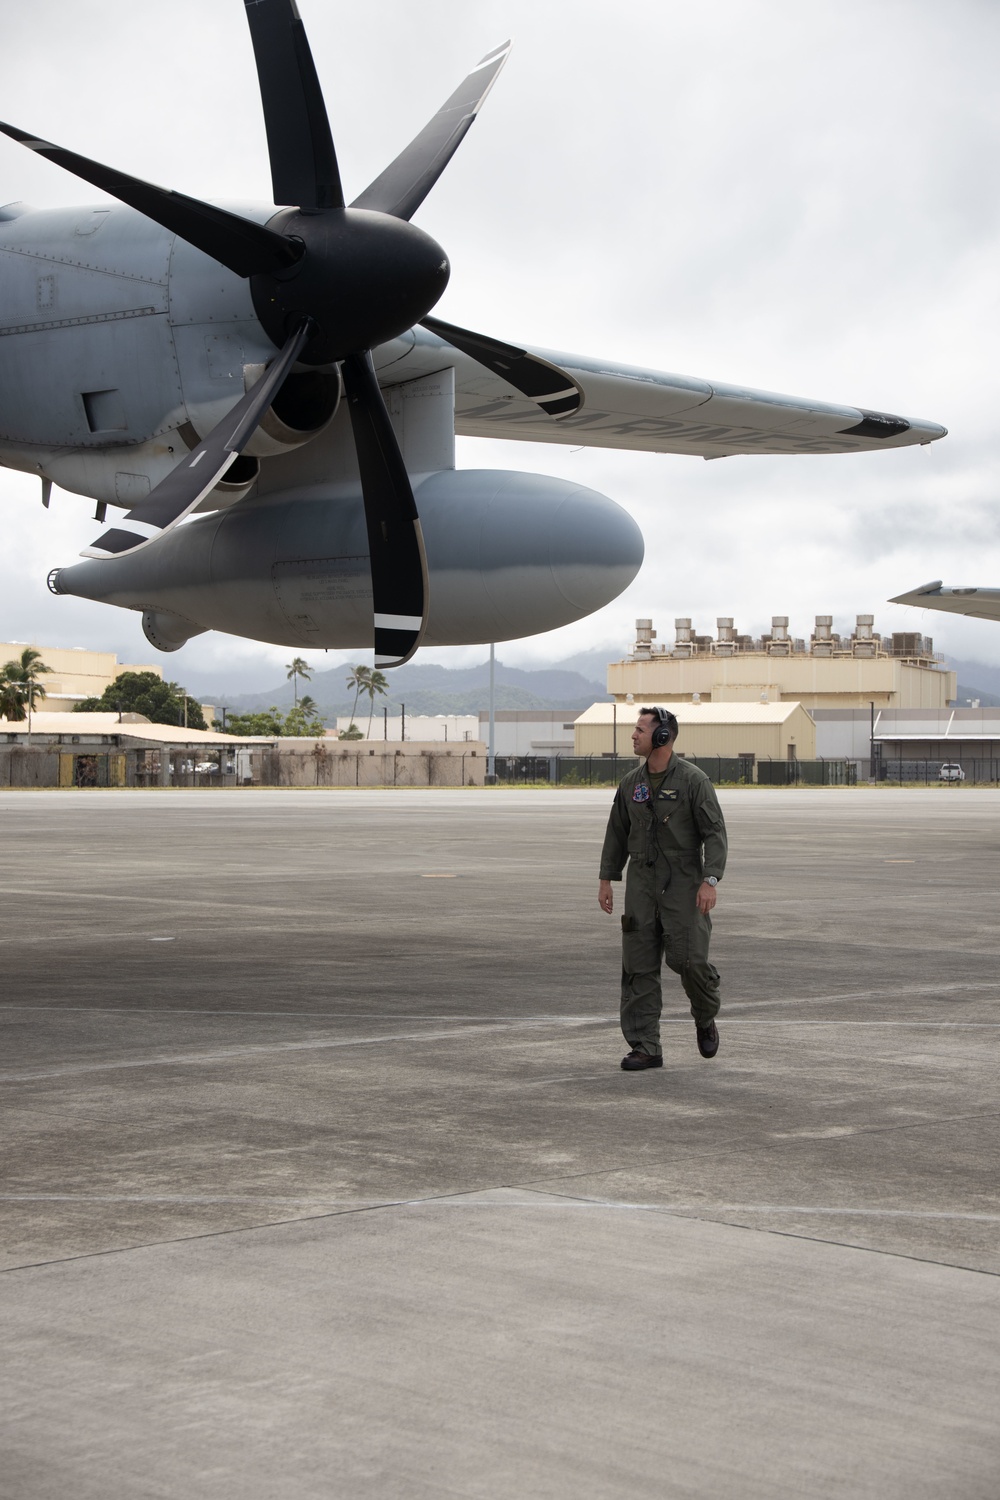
pixel 827 671
pixel 897 741
pixel 76 674
pixel 747 732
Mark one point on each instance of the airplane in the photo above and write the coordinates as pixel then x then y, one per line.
pixel 265 394
pixel 981 603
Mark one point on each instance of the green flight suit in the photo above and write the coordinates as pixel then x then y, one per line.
pixel 672 842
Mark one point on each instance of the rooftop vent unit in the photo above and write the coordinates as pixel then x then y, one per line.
pixel 645 635
pixel 683 638
pixel 905 643
pixel 864 641
pixel 823 642
pixel 725 643
pixel 778 642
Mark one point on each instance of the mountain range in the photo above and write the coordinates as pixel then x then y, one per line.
pixel 573 682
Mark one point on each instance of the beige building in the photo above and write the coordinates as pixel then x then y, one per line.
pixel 827 671
pixel 763 731
pixel 76 674
pixel 95 750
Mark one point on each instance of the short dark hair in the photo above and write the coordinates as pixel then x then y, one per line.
pixel 665 717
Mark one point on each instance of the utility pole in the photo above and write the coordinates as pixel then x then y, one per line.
pixel 402 723
pixel 871 743
pixel 385 723
pixel 491 760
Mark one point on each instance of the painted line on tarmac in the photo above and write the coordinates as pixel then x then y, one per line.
pixel 331 1016
pixel 235 1054
pixel 913 989
pixel 537 1199
pixel 259 1200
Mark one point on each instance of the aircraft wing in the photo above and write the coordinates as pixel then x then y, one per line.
pixel 625 407
pixel 982 603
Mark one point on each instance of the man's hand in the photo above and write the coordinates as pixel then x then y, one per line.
pixel 605 896
pixel 706 898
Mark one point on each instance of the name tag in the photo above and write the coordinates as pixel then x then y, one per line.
pixel 670 796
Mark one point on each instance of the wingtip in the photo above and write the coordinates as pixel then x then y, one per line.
pixel 495 53
pixel 911 595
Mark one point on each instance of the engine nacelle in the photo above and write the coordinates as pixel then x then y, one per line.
pixel 508 555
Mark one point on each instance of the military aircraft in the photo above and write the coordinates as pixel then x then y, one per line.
pixel 265 394
pixel 981 603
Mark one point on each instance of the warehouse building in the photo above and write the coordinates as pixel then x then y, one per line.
pixel 826 671
pixel 76 674
pixel 745 732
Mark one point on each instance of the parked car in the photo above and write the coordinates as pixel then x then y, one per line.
pixel 951 771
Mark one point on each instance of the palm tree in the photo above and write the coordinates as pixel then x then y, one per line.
pixel 298 667
pixel 12 696
pixel 19 684
pixel 307 706
pixel 377 683
pixel 358 680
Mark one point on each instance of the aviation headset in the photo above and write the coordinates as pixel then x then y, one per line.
pixel 667 727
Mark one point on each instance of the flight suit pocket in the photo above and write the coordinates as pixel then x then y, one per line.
pixel 640 948
pixel 629 924
pixel 675 948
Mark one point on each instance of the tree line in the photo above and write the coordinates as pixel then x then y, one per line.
pixel 21 690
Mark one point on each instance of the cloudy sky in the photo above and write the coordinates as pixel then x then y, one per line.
pixel 802 198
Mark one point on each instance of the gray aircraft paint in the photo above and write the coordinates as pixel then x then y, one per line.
pixel 122 345
pixel 510 555
pixel 979 603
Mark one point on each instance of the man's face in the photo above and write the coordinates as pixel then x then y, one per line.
pixel 642 735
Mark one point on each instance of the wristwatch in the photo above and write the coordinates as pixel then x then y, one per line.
pixel 711 880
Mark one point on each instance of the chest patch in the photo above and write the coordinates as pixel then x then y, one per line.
pixel 641 793
pixel 670 796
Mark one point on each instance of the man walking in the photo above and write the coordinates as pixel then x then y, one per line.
pixel 666 820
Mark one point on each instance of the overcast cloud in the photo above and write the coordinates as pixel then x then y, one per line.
pixel 798 197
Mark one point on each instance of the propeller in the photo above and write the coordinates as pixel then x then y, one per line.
pixel 329 283
pixel 552 389
pixel 192 479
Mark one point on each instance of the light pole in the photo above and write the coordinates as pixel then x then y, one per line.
pixel 491 760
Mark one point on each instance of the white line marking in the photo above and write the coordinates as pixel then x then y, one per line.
pixel 538 1200
pixel 238 1054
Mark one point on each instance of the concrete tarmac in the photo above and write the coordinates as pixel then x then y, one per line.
pixel 321 1177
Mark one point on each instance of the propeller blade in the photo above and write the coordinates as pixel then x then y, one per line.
pixel 551 388
pixel 395 541
pixel 243 246
pixel 304 168
pixel 405 183
pixel 188 484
